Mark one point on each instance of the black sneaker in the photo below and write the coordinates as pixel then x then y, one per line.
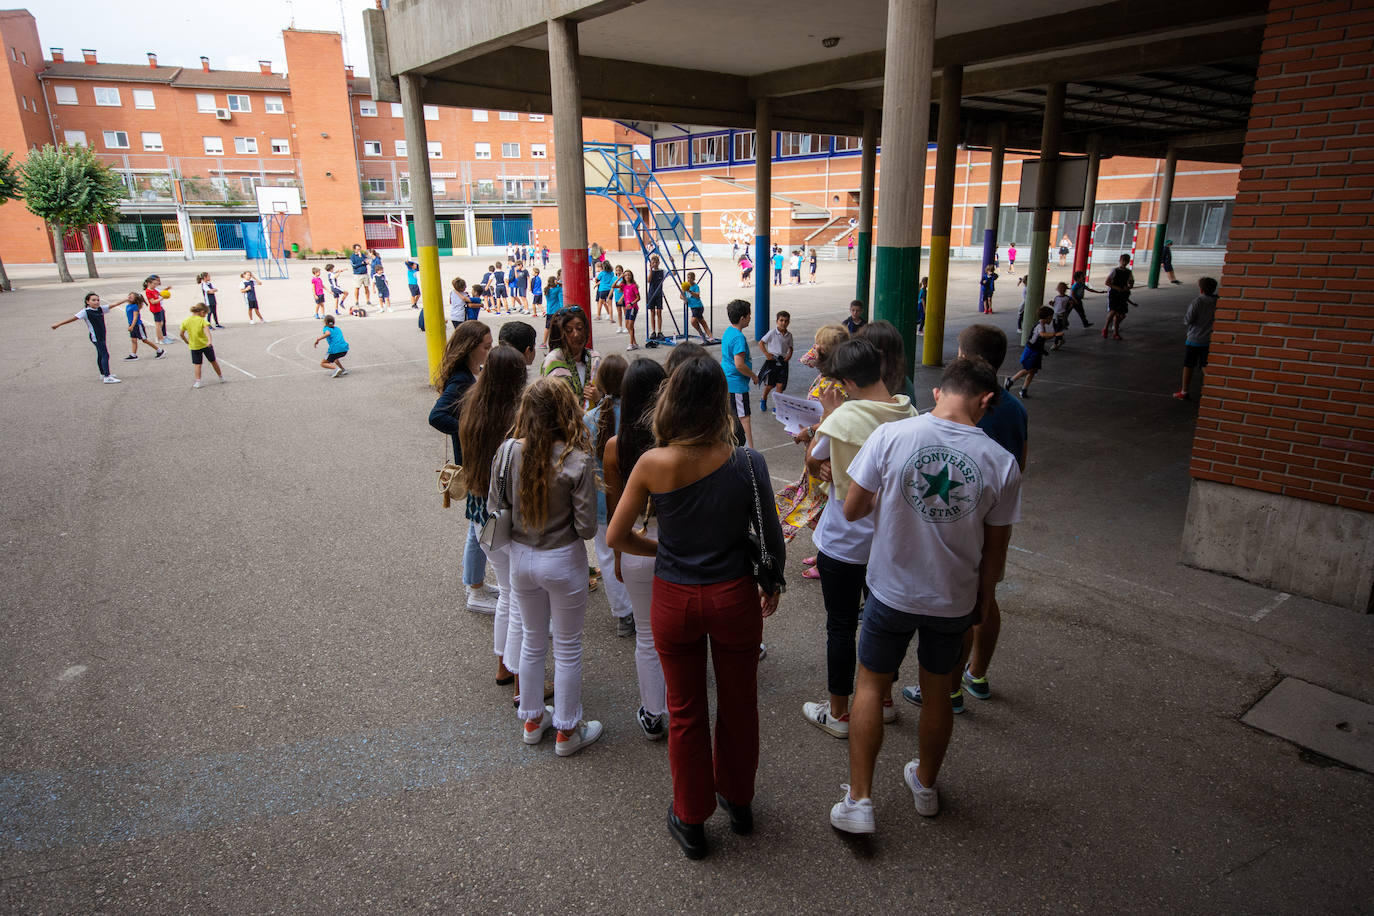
pixel 741 816
pixel 1007 384
pixel 625 626
pixel 132 356
pixel 655 727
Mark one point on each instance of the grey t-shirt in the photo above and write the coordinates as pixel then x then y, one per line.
pixel 1201 313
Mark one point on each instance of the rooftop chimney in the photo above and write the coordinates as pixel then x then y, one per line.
pixel 57 56
pixel 348 70
pixel 152 59
pixel 265 66
pixel 88 54
pixel 205 64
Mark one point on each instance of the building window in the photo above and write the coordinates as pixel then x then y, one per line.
pixel 245 145
pixel 367 108
pixel 1200 223
pixel 510 150
pixel 372 147
pixel 74 137
pixel 205 102
pixel 848 144
pixel 625 229
pixel 706 150
pixel 272 104
pixel 508 116
pixel 743 143
pixel 400 148
pixel 240 103
pixel 107 95
pixel 143 98
pixel 376 185
pixel 536 117
pixel 64 95
pixel 214 146
pixel 670 154
pixel 152 141
pixel 431 112
pixel 486 188
pixel 435 149
pixel 479 114
pixel 481 151
pixel 24 58
pixel 438 187
pixel 281 146
pixel 539 151
pixel 798 144
pixel 116 139
pixel 397 110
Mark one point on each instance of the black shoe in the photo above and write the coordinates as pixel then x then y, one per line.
pixel 691 837
pixel 741 816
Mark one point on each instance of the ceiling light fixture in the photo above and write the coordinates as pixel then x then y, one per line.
pixel 830 42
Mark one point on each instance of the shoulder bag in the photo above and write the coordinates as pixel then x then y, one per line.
pixel 496 530
pixel 768 569
pixel 451 483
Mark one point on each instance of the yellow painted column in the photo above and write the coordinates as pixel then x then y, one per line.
pixel 432 300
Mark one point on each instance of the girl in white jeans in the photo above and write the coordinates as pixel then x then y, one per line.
pixel 552 494
pixel 601 422
pixel 635 436
pixel 484 420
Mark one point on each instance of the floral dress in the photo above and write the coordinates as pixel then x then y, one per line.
pixel 800 504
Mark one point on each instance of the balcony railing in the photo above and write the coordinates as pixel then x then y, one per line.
pixel 386 182
pixel 225 181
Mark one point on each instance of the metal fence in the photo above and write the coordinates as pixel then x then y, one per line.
pixel 387 182
pixel 223 180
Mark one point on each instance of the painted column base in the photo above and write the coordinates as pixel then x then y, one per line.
pixel 576 287
pixel 863 284
pixel 894 300
pixel 432 301
pixel 762 291
pixel 937 295
pixel 1157 252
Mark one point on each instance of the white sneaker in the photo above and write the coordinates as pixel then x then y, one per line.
pixel 584 734
pixel 342 371
pixel 111 380
pixel 927 800
pixel 818 714
pixel 336 373
pixel 853 816
pixel 532 730
pixel 197 384
pixel 482 599
pixel 889 711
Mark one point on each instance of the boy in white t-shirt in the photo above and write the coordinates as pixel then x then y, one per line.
pixel 943 492
pixel 777 350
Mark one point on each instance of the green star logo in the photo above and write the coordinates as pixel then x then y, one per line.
pixel 939 485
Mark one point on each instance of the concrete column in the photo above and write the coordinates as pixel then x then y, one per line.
pixel 906 129
pixel 188 244
pixel 763 219
pixel 1044 206
pixel 942 214
pixel 1087 224
pixel 470 230
pixel 994 212
pixel 868 175
pixel 568 163
pixel 1166 194
pixel 422 211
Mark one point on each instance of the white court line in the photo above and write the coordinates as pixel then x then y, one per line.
pixel 774 447
pixel 1270 607
pixel 232 366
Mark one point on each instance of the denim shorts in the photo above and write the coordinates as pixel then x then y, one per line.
pixel 886 633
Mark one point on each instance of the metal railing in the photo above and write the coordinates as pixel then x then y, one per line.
pixel 386 182
pixel 226 181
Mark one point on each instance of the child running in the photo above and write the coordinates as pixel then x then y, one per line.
pixel 137 333
pixel 207 293
pixel 1033 356
pixel 195 332
pixel 248 285
pixel 335 288
pixel 629 291
pixel 338 347
pixel 1061 304
pixel 317 290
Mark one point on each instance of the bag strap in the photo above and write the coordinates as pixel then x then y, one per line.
pixel 505 474
pixel 758 507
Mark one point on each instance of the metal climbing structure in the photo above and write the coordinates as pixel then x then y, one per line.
pixel 614 171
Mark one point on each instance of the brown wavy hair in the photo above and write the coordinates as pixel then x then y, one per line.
pixel 693 406
pixel 609 376
pixel 488 413
pixel 466 338
pixel 549 414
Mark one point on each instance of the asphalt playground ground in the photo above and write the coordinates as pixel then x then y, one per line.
pixel 238 676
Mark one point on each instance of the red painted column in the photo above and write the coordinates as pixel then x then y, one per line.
pixel 1082 246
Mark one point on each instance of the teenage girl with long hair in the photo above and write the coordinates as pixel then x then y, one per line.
pixel 601 423
pixel 486 419
pixel 704 592
pixel 552 492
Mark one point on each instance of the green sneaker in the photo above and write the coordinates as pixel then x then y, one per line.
pixel 977 687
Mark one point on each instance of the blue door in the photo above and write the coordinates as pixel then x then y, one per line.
pixel 254 243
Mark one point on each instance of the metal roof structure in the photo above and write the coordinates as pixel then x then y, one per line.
pixel 1142 76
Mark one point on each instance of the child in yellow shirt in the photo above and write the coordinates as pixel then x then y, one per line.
pixel 195 333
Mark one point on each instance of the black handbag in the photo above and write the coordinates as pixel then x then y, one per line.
pixel 768 568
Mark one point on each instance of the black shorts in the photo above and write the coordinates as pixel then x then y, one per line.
pixel 1063 251
pixel 795 272
pixel 538 299
pixel 500 292
pixel 744 275
pixel 1195 357
pixel 139 332
pixel 251 302
pixel 774 372
pixel 332 357
pixel 319 300
pixel 739 404
pixel 655 306
pixel 631 312
pixel 886 632
pixel 698 311
pixel 602 295
pixel 415 289
pixel 204 353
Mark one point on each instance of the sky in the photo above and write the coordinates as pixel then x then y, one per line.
pixel 234 35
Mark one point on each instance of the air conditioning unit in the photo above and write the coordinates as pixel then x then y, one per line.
pixel 222 114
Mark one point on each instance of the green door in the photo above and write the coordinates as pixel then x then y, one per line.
pixel 442 230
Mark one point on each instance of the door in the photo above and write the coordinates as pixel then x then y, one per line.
pixel 254 242
pixel 444 233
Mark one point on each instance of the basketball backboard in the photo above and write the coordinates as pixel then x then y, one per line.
pixel 271 200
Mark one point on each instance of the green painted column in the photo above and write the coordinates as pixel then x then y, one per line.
pixel 942 215
pixel 1166 194
pixel 1039 259
pixel 906 130
pixel 868 174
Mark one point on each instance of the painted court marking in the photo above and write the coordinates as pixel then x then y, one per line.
pixel 232 366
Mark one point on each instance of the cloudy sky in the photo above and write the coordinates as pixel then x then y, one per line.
pixel 234 35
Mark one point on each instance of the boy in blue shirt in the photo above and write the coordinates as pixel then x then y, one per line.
pixel 536 292
pixel 691 294
pixel 777 266
pixel 605 281
pixel 413 281
pixel 986 287
pixel 553 304
pixel 737 363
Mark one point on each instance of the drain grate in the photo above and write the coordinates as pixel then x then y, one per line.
pixel 1313 717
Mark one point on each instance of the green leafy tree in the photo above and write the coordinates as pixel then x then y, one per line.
pixel 9 190
pixel 102 190
pixel 53 183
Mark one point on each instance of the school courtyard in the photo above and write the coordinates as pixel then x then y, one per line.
pixel 238 675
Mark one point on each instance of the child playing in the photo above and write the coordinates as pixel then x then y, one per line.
pixel 629 291
pixel 1062 304
pixel 738 365
pixel 605 280
pixel 691 295
pixel 195 331
pixel 618 289
pixel 536 293
pixel 553 304
pixel 379 281
pixel 154 298
pixel 413 281
pixel 1198 318
pixel 207 293
pixel 338 347
pixel 921 307
pixel 93 315
pixel 317 289
pixel 1011 257
pixel 856 317
pixel 1080 286
pixel 137 332
pixel 1033 356
pixel 335 288
pixel 777 351
pixel 248 285
pixel 986 287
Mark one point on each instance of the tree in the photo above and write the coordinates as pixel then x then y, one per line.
pixel 9 190
pixel 99 201
pixel 52 182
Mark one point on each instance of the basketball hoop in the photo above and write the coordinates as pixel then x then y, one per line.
pixel 279 207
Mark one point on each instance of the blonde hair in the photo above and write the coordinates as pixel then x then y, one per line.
pixel 199 309
pixel 830 336
pixel 549 414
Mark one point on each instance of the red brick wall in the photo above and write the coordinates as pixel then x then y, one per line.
pixel 23 237
pixel 1288 405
